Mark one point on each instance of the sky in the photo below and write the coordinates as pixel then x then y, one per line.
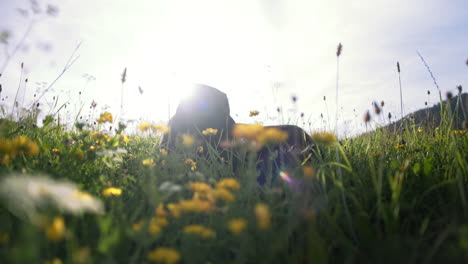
pixel 260 53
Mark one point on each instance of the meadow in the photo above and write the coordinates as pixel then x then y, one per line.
pixel 87 195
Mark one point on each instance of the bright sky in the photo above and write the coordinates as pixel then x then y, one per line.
pixel 260 53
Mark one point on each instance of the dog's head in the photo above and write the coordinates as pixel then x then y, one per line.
pixel 207 107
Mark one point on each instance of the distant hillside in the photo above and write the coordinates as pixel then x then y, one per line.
pixel 430 117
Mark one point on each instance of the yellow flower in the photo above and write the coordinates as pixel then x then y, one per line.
pixel 193 164
pixel 228 183
pixel 160 221
pixel 164 255
pixel 272 135
pixel 237 225
pixel 325 138
pixel 200 149
pixel 124 138
pixel 210 131
pixel 56 151
pixel 56 230
pixel 459 132
pixel 263 216
pixel 247 131
pixel 200 187
pixel 32 149
pixel 174 209
pixel 399 146
pixel 144 126
pixel 105 117
pixel 164 152
pixel 137 226
pixel 195 206
pixel 223 194
pixel 148 163
pixel 112 191
pixel 81 255
pixel 54 261
pixel 254 113
pixel 199 230
pixel 160 212
pixel 309 172
pixel 420 130
pixel 154 229
pixel 160 128
pixel 92 148
pixel 187 140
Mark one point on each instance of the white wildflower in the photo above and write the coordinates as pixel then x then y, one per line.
pixel 26 194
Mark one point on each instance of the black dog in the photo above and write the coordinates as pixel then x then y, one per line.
pixel 209 108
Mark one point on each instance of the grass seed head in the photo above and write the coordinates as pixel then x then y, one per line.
pixel 367 117
pixel 398 66
pixel 338 50
pixel 449 95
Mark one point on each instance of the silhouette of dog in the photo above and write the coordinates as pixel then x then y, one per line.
pixel 206 108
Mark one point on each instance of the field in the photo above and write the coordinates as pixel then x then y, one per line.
pixel 84 196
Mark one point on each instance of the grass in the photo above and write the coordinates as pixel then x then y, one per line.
pixel 405 195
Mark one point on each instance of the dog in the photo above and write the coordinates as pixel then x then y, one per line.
pixel 209 108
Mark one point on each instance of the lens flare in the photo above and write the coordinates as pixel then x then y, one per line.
pixel 285 176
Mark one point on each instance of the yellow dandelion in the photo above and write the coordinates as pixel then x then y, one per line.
pixel 124 138
pixel 272 135
pixel 164 152
pixel 53 261
pixel 237 225
pixel 325 138
pixel 92 148
pixel 193 164
pixel 247 131
pixel 160 211
pixel 262 213
pixel 187 140
pixel 459 132
pixel 159 221
pixel 160 128
pixel 174 209
pixel 228 183
pixel 112 191
pixel 210 131
pixel 148 163
pixel 420 130
pixel 254 113
pixel 200 149
pixel 164 255
pixel 154 229
pixel 223 194
pixel 199 230
pixel 137 226
pixel 398 146
pixel 144 126
pixel 56 230
pixel 309 172
pixel 81 255
pixel 105 117
pixel 32 149
pixel 200 187
pixel 196 206
pixel 56 151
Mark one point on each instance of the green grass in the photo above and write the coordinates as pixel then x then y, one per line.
pixel 405 204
